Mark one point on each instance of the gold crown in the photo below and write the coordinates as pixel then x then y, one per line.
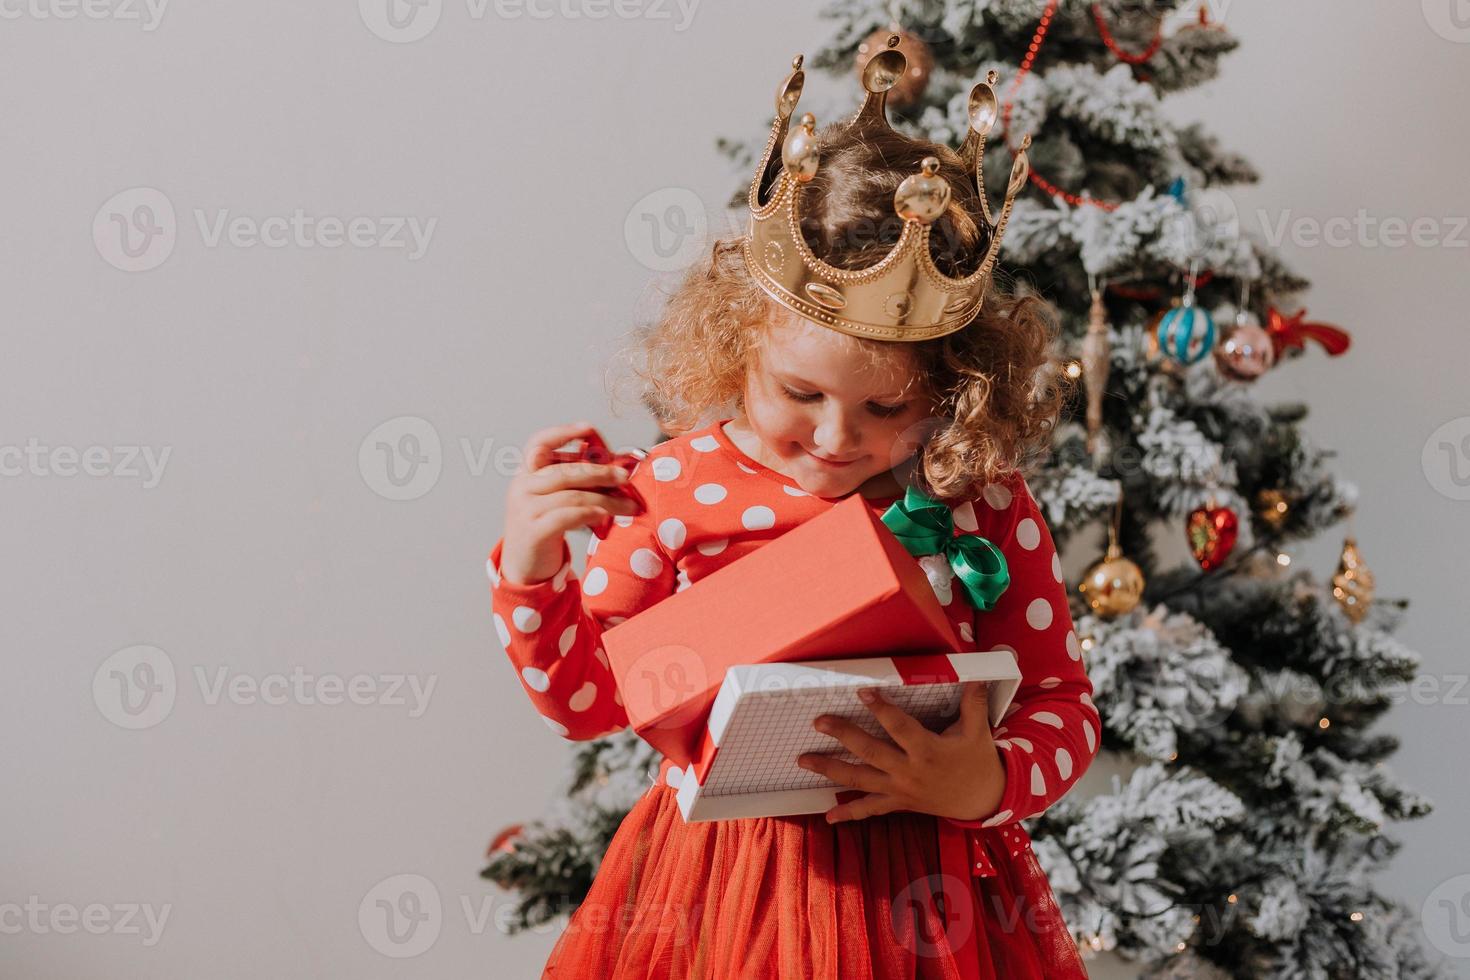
pixel 904 296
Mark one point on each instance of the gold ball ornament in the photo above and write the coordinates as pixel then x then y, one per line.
pixel 919 65
pixel 1352 586
pixel 1113 586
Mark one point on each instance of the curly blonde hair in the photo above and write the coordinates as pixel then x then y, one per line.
pixel 995 384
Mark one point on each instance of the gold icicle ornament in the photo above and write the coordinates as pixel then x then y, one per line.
pixel 1352 586
pixel 1096 362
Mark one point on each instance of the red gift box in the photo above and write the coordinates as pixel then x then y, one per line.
pixel 838 586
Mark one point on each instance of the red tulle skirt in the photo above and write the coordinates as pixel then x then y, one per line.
pixel 796 898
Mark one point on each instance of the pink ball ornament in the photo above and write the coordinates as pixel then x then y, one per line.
pixel 1246 352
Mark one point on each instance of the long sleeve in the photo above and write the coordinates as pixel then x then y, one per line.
pixel 552 630
pixel 1050 732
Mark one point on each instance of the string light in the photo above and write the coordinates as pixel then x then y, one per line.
pixel 1323 723
pixel 1283 559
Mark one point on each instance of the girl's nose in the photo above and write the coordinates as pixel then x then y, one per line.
pixel 837 436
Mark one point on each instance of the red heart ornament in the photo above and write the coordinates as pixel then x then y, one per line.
pixel 1212 532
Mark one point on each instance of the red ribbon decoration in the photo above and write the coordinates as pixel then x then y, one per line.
pixel 1290 331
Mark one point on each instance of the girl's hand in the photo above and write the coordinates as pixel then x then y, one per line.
pixel 545 501
pixel 957 773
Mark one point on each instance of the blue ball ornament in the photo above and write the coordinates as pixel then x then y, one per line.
pixel 1186 333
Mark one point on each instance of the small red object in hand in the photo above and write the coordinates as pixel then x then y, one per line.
pixel 593 449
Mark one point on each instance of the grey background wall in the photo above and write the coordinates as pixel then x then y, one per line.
pixel 251 676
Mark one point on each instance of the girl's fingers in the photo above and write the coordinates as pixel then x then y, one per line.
pixel 608 504
pixel 865 778
pixel 560 520
pixel 545 442
pixel 560 476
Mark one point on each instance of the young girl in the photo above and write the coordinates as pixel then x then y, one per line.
pixel 929 874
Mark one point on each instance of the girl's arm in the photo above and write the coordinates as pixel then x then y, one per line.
pixel 1050 732
pixel 552 630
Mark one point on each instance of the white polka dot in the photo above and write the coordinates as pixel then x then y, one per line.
pixel 1051 682
pixel 1028 535
pixel 1001 743
pixel 584 697
pixel 536 680
pixel 683 581
pixel 1008 649
pixel 1086 699
pixel 746 469
pixel 592 545
pixel 666 468
pixel 1048 718
pixel 559 580
pixel 1023 743
pixel 1064 763
pixel 796 492
pixel 712 547
pixel 1056 567
pixel 526 619
pixel 1074 648
pixel 1000 730
pixel 615 620
pixel 964 517
pixel 646 563
pixel 705 444
pixel 490 571
pixel 568 637
pixel 623 520
pixel 674 776
pixel 997 495
pixel 601 655
pixel 556 726
pixel 967 633
pixel 671 533
pixel 1038 614
pixel 1089 735
pixel 595 583
pixel 758 518
pixel 502 631
pixel 998 818
pixel 1038 781
pixel 709 493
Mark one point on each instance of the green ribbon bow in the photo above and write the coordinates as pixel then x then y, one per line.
pixel 926 527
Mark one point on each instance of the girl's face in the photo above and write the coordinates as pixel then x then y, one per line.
pixel 828 415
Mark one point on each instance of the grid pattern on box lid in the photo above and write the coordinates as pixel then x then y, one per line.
pixel 769 729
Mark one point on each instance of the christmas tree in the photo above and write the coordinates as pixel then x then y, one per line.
pixel 1251 805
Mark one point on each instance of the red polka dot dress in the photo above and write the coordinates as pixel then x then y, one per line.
pixel 901 895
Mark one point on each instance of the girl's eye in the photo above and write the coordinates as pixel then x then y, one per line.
pixel 882 411
pixel 798 396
